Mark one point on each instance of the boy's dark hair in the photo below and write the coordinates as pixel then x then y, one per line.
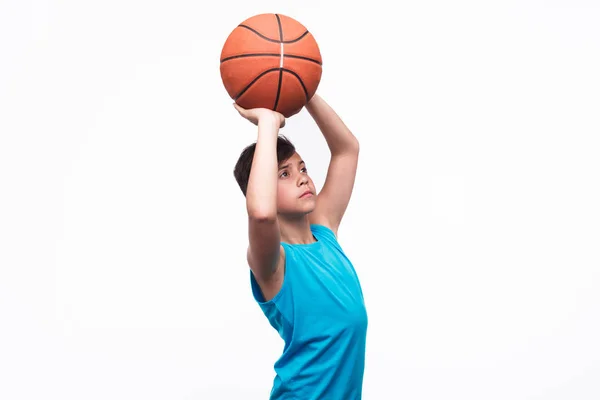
pixel 241 172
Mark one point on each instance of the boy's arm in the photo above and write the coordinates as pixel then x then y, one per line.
pixel 261 197
pixel 333 199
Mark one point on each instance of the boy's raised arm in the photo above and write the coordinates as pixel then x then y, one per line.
pixel 261 194
pixel 333 199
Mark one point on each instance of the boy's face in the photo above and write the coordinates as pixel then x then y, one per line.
pixel 292 184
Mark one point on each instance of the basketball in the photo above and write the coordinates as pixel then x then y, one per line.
pixel 271 61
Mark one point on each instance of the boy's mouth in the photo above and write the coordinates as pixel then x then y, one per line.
pixel 308 193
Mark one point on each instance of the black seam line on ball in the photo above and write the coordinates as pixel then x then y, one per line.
pixel 278 89
pixel 281 58
pixel 254 81
pixel 300 80
pixel 273 40
pixel 272 55
pixel 280 28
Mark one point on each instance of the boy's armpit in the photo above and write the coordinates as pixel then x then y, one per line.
pixel 270 285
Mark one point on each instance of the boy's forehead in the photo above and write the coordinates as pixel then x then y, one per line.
pixel 294 159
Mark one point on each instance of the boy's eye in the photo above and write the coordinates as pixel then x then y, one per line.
pixel 284 173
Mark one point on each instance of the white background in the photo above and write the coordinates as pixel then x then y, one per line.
pixel 474 225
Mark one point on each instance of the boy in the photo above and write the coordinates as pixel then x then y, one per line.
pixel 299 275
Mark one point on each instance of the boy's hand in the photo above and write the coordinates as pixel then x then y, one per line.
pixel 254 115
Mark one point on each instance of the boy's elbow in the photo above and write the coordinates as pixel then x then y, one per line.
pixel 352 143
pixel 262 215
pixel 353 147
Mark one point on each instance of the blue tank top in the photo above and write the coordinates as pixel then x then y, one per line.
pixel 320 314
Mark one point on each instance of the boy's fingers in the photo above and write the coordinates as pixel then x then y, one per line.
pixel 238 108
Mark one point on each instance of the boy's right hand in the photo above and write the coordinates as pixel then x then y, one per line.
pixel 255 115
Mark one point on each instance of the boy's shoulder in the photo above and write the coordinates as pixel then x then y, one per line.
pixel 323 230
pixel 321 223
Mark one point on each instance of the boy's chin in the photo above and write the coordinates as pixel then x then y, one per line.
pixel 297 212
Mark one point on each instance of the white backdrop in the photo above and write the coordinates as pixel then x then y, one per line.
pixel 474 225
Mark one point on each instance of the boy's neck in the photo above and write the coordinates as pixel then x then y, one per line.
pixel 296 231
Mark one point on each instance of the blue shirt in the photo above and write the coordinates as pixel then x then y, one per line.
pixel 320 314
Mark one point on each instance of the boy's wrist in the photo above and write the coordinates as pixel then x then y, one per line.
pixel 268 121
pixel 268 127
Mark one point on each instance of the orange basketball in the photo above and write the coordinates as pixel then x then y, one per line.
pixel 271 61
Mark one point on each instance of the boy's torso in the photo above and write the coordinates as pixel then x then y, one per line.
pixel 320 313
